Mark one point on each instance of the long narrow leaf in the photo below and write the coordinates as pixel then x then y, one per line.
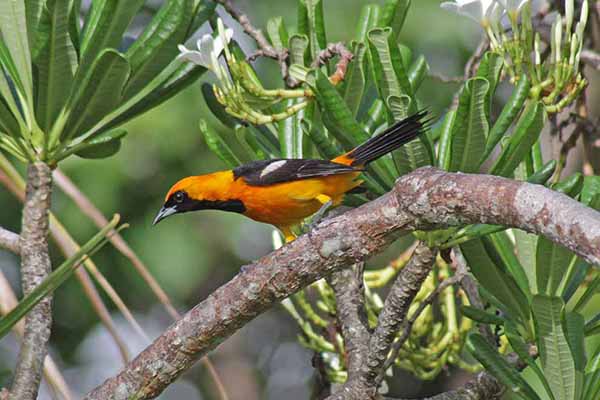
pixel 470 128
pixel 526 133
pixel 99 94
pixel 555 354
pixel 56 66
pixel 156 47
pixel 497 366
pixel 509 113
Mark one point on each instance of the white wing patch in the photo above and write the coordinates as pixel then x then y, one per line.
pixel 272 167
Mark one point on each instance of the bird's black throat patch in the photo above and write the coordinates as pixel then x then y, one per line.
pixel 186 204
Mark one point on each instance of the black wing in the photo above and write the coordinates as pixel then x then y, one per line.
pixel 269 172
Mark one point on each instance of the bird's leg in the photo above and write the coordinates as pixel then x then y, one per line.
pixel 326 202
pixel 288 234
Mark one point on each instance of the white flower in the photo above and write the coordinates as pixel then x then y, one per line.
pixel 513 5
pixel 209 50
pixel 484 12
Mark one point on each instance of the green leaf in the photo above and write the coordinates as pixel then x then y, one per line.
pixel 495 279
pixel 312 24
pixel 509 113
pixel 342 124
pixel 8 123
pixel 505 249
pixel 290 134
pixel 415 153
pixel 98 94
pixel 326 147
pixel 368 19
pixel 520 347
pixel 526 246
pixel 591 187
pixel 277 32
pixel 388 68
pixel 573 325
pixel 103 145
pixel 11 145
pixel 104 27
pixel 497 366
pixel 545 173
pixel 589 292
pixel 375 116
pixel 217 145
pixel 205 9
pixel 481 316
pixel 74 24
pixel 156 47
pixel 394 15
pixel 13 25
pixel 56 66
pixel 555 354
pixel 552 261
pixel 570 186
pixel 355 80
pixel 526 133
pixel 37 25
pixel 56 278
pixel 470 127
pixel 490 68
pixel 417 72
pixel 592 377
pixel 172 80
pixel 445 142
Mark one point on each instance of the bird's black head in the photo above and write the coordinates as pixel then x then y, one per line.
pixel 179 201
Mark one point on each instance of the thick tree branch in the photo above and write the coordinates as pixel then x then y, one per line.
pixel 425 199
pixel 35 267
pixel 10 241
pixel 391 317
pixel 350 306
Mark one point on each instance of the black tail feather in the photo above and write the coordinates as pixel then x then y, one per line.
pixel 391 139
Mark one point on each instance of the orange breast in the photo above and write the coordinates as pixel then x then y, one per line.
pixel 287 204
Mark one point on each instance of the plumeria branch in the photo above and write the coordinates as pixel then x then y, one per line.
pixel 419 201
pixel 35 267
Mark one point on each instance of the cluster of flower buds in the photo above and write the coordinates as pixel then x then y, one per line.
pixel 556 80
pixel 239 90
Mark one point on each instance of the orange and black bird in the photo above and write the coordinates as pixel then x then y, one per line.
pixel 283 192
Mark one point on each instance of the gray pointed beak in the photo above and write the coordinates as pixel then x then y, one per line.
pixel 164 213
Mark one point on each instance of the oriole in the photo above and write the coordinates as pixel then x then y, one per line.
pixel 283 192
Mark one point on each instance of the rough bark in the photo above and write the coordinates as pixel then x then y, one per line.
pixel 350 306
pixel 425 199
pixel 35 267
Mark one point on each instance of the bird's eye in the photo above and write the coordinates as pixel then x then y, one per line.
pixel 179 197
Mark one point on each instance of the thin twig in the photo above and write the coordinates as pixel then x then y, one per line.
pixel 281 55
pixel 332 50
pixel 35 267
pixel 10 241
